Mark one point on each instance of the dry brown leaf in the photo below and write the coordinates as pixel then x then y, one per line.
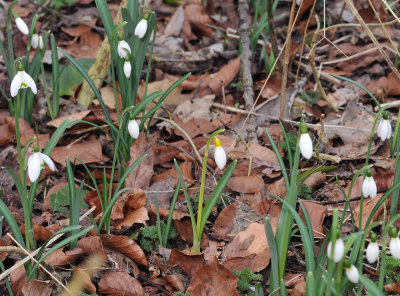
pixel 78 30
pixel 316 212
pixel 384 86
pixel 224 76
pixel 186 170
pixel 185 230
pixel 120 284
pixel 92 245
pixel 175 282
pixel 129 209
pixel 368 206
pixel 25 129
pixel 196 21
pixel 213 279
pixel 41 233
pixel 223 226
pixel 246 184
pixel 18 279
pixel 87 152
pixel 126 246
pixel 61 258
pixel 195 127
pixel 393 288
pixel 249 249
pixel 37 288
pixel 87 46
pixel 190 263
pixel 141 175
pixel 262 156
pixel 72 117
pixel 315 179
pixel 6 136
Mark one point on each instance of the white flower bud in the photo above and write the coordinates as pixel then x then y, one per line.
pixel 384 129
pixel 338 251
pixel 141 28
pixel 372 252
pixel 22 26
pixel 133 128
pixel 219 154
pixel 368 186
pixel 352 274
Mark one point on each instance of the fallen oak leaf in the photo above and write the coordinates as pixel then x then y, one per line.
pixel 120 283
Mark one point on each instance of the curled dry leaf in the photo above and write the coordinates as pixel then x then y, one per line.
pixel 213 279
pixel 196 21
pixel 37 288
pixel 92 245
pixel 224 76
pixel 249 249
pixel 92 199
pixel 61 258
pixel 129 209
pixel 18 279
pixel 126 246
pixel 120 283
pixel 175 282
pixel 41 233
pixel 190 263
pixel 223 226
pixel 141 175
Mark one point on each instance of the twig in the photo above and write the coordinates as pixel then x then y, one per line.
pixel 370 25
pixel 173 123
pixel 315 73
pixel 372 37
pixel 12 249
pixel 22 262
pixel 322 74
pixel 299 64
pixel 40 265
pixel 245 59
pixel 285 63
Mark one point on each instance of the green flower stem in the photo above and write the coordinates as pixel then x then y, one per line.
pixel 196 243
pixel 396 135
pixel 332 239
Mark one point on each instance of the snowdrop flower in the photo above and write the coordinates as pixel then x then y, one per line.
pixel 20 23
pixel 37 41
pixel 352 272
pixel 22 80
pixel 127 66
pixel 36 162
pixel 141 27
pixel 219 154
pixel 368 186
pixel 338 252
pixel 372 249
pixel 384 128
pixel 133 128
pixel 123 47
pixel 305 143
pixel 394 244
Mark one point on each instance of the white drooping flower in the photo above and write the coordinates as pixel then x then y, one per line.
pixel 338 252
pixel 369 186
pixel 394 245
pixel 20 23
pixel 127 68
pixel 372 252
pixel 352 273
pixel 219 154
pixel 22 80
pixel 36 162
pixel 305 142
pixel 133 128
pixel 384 128
pixel 123 47
pixel 141 27
pixel 37 41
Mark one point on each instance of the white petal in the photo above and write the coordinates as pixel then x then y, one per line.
pixel 379 130
pixel 141 28
pixel 34 166
pixel 133 129
pixel 35 40
pixel 369 187
pixel 306 146
pixel 352 274
pixel 122 48
pixel 48 160
pixel 394 247
pixel 372 252
pixel 26 78
pixel 21 26
pixel 220 157
pixel 338 252
pixel 127 69
pixel 41 43
pixel 388 129
pixel 15 84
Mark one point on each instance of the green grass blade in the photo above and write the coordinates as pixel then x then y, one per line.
pixel 308 223
pixel 171 211
pixel 106 17
pixel 12 224
pixel 371 287
pixel 273 251
pixel 55 72
pixel 216 194
pixel 310 285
